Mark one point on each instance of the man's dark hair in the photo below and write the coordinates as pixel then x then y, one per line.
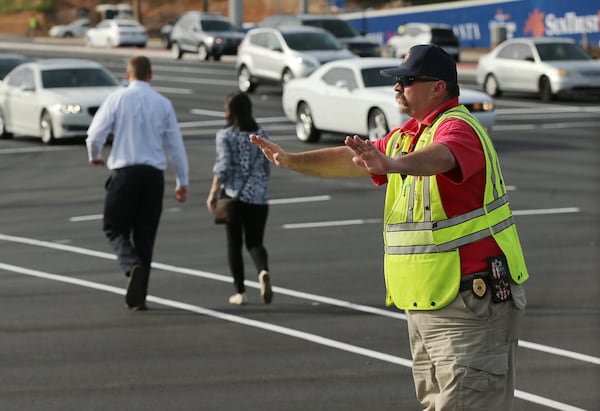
pixel 240 112
pixel 140 67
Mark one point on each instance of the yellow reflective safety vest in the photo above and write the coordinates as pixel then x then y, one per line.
pixel 422 262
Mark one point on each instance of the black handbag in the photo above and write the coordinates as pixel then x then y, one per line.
pixel 226 210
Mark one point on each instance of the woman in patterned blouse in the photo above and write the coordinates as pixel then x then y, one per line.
pixel 242 172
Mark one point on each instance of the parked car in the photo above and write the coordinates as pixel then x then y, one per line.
pixel 165 32
pixel 547 66
pixel 277 55
pixel 77 28
pixel 117 32
pixel 411 34
pixel 9 61
pixel 53 98
pixel 341 29
pixel 352 97
pixel 205 34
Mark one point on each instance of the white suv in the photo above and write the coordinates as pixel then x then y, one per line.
pixel 277 55
pixel 412 34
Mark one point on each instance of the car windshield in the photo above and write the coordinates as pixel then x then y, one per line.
pixel 303 41
pixel 372 78
pixel 338 28
pixel 217 25
pixel 77 77
pixel 6 65
pixel 562 51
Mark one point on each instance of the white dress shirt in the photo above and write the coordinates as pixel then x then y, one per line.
pixel 143 125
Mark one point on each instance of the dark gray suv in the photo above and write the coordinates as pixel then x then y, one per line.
pixel 204 34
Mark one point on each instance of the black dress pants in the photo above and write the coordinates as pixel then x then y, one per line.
pixel 251 222
pixel 132 210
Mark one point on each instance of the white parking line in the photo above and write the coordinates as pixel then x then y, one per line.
pixel 293 200
pixel 172 90
pixel 290 332
pixel 19 150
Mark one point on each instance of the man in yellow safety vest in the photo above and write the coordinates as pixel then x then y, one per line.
pixel 453 260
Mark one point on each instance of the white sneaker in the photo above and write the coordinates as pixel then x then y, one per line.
pixel 266 293
pixel 238 299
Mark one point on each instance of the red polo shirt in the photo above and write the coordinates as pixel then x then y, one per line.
pixel 462 188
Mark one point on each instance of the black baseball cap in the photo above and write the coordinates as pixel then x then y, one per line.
pixel 425 60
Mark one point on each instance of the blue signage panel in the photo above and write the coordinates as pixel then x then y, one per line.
pixel 475 22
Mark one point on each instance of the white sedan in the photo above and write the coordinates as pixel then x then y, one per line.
pixel 548 66
pixel 352 97
pixel 117 32
pixel 77 28
pixel 53 98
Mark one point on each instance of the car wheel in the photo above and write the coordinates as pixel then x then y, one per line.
pixel 286 76
pixel 203 53
pixel 305 127
pixel 490 86
pixel 175 51
pixel 68 35
pixel 377 124
pixel 245 82
pixel 3 133
pixel 545 90
pixel 217 57
pixel 46 128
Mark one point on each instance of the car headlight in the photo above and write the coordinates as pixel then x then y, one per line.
pixel 66 108
pixel 211 40
pixel 488 106
pixel 307 61
pixel 479 107
pixel 566 73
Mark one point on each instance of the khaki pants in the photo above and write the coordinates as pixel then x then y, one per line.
pixel 464 354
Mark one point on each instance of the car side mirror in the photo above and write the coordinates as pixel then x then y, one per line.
pixel 342 84
pixel 26 87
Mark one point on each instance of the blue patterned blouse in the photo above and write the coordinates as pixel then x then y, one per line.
pixel 240 164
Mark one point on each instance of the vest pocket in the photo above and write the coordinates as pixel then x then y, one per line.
pixel 423 281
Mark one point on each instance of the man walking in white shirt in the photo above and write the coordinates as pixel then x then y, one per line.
pixel 145 130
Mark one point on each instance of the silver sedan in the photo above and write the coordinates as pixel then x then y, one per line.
pixel 550 67
pixel 53 98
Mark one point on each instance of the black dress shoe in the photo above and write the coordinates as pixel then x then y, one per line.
pixel 141 307
pixel 136 291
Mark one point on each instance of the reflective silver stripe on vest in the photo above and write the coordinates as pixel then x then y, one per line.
pixel 471 214
pixel 451 245
pixel 480 235
pixel 437 225
pixel 426 199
